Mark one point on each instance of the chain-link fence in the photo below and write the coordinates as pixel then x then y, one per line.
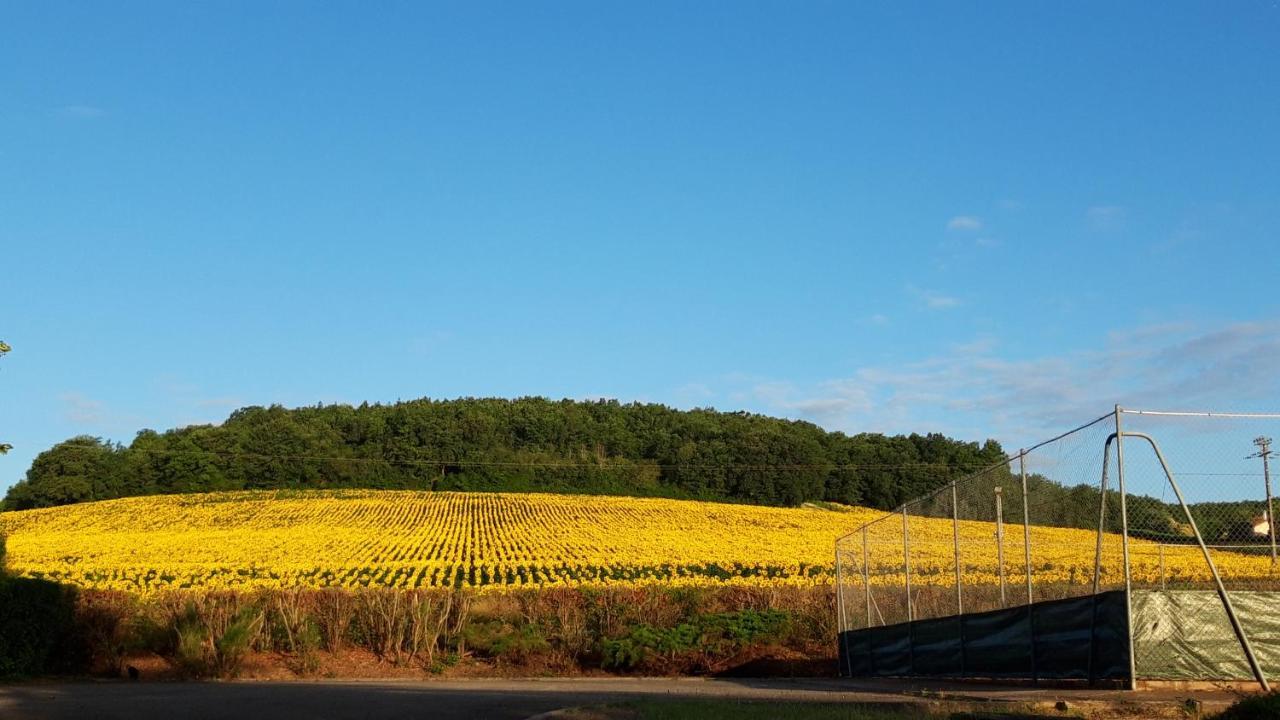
pixel 1203 566
pixel 1190 537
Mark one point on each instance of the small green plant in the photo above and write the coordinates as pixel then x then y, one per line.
pixel 506 641
pixel 443 663
pixel 204 650
pixel 700 641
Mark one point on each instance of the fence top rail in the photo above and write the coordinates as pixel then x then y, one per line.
pixel 976 473
pixel 1188 413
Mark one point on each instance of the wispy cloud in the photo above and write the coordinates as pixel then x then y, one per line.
pixel 964 222
pixel 932 299
pixel 89 413
pixel 977 390
pixel 693 394
pixel 879 319
pixel 229 402
pixel 188 403
pixel 1106 217
pixel 80 409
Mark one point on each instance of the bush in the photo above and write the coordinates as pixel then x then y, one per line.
pixel 47 628
pixel 404 625
pixel 699 643
pixel 506 641
pixel 37 619
pixel 1258 706
pixel 212 638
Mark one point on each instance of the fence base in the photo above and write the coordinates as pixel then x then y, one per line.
pixel 1184 634
pixel 1083 638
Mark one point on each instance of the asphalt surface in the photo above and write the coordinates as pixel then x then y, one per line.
pixel 446 699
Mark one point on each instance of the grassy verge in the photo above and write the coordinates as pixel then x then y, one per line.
pixel 742 710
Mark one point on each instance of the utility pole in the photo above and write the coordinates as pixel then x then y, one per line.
pixel 1264 452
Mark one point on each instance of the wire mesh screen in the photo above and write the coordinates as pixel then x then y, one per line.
pixel 1221 466
pixel 1176 507
pixel 1020 531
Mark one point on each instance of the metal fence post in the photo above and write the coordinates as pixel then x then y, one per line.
pixel 906 561
pixel 1162 582
pixel 866 574
pixel 1250 657
pixel 1000 541
pixel 839 594
pixel 1026 521
pixel 1124 544
pixel 955 540
pixel 840 629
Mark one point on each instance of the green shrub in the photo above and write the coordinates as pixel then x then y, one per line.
pixel 402 625
pixel 1258 706
pixel 698 642
pixel 37 619
pixel 504 640
pixel 205 647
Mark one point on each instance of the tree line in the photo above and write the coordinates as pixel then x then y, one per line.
pixel 491 444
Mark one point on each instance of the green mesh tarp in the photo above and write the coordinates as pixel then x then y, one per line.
pixel 1185 634
pixel 1082 638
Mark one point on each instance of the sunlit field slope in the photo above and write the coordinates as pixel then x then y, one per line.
pixel 480 540
pixel 420 539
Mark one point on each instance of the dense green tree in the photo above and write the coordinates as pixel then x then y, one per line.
pixel 495 444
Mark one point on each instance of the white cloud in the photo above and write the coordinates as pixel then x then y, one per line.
pixel 827 404
pixel 940 302
pixel 80 409
pixel 964 222
pixel 932 299
pixel 229 402
pixel 1106 217
pixel 975 391
pixel 692 394
pixel 879 319
pixel 986 242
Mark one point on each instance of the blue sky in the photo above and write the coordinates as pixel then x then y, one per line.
pixel 986 219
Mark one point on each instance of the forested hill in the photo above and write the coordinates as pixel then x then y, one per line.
pixel 507 445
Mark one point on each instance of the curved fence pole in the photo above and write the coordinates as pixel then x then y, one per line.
pixel 1102 514
pixel 1249 655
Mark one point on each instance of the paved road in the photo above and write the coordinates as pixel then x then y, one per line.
pixel 436 699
